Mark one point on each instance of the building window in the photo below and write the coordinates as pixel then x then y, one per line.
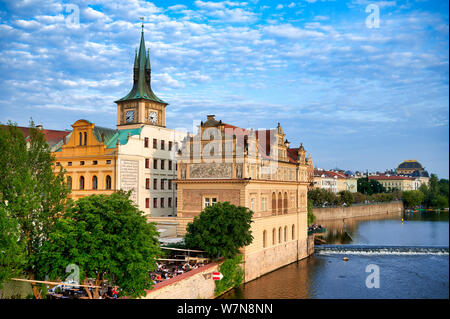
pixel 169 203
pixel 94 182
pixel 162 164
pixel 85 138
pixel 252 204
pixel 81 138
pixel 155 203
pixel 169 185
pixel 264 204
pixel 69 163
pixel 108 161
pixel 155 164
pixel 108 182
pixel 147 183
pixel 147 163
pixel 273 236
pixel 155 143
pixel 279 235
pixel 209 201
pixel 264 239
pixel 81 182
pixel 162 183
pixel 155 183
pixel 293 232
pixel 82 163
pixel 170 165
pixel 146 142
pixel 285 233
pixel 147 203
pixel 69 182
pixel 162 144
pixel 94 162
pixel 162 202
pixel 170 145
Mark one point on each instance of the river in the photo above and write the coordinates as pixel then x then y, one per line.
pixel 410 274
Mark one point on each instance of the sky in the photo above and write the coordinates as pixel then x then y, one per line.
pixel 362 84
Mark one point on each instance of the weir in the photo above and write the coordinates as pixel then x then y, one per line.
pixel 380 250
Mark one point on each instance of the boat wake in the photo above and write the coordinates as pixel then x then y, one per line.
pixel 380 250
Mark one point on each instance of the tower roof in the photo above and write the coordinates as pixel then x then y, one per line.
pixel 141 85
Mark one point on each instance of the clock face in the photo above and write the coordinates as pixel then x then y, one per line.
pixel 129 116
pixel 153 117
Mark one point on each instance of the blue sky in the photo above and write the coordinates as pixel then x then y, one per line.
pixel 357 97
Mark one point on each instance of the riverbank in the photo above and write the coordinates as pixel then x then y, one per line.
pixel 358 210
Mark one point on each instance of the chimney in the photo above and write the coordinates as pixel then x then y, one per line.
pixel 39 127
pixel 210 117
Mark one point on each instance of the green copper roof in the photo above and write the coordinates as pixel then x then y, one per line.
pixel 122 136
pixel 142 77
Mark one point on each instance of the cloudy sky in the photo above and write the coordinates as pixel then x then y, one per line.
pixel 358 94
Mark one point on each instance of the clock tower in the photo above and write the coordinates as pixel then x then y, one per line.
pixel 141 105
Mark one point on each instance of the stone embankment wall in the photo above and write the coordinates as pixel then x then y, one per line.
pixel 194 284
pixel 357 210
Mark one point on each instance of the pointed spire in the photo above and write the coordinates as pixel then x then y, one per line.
pixel 142 75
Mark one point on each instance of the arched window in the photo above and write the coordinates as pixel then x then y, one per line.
pixel 274 236
pixel 81 138
pixel 85 138
pixel 274 204
pixel 285 233
pixel 293 232
pixel 94 182
pixel 279 235
pixel 285 203
pixel 108 182
pixel 280 204
pixel 69 182
pixel 264 239
pixel 81 182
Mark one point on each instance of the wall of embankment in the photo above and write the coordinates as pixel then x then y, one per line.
pixel 357 210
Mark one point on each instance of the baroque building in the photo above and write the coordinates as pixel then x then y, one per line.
pixel 256 169
pixel 137 156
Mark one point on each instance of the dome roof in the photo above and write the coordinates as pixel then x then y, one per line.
pixel 410 164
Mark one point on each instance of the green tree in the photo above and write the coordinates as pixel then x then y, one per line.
pixel 12 250
pixel 107 237
pixel 233 275
pixel 369 187
pixel 34 194
pixel 412 199
pixel 346 197
pixel 220 230
pixel 311 216
pixel 359 197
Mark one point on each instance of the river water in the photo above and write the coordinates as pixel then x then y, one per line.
pixel 412 271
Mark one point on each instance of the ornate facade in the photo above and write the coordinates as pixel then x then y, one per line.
pixel 256 169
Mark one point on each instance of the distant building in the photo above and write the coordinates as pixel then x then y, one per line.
pixel 334 181
pixel 408 167
pixel 401 183
pixel 52 137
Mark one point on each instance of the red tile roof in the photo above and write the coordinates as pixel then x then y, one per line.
pixel 51 136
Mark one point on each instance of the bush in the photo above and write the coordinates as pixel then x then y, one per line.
pixel 233 275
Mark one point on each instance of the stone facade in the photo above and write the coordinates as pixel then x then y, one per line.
pixel 357 210
pixel 255 169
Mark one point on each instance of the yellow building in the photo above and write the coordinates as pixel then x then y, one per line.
pixel 89 156
pixel 255 169
pixel 408 167
pixel 401 183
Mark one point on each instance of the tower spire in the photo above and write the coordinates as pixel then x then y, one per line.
pixel 142 74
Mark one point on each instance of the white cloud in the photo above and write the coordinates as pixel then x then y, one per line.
pixel 291 32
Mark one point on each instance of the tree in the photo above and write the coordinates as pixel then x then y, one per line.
pixel 220 230
pixel 106 237
pixel 412 198
pixel 12 250
pixel 311 216
pixel 34 194
pixel 369 187
pixel 359 197
pixel 346 197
